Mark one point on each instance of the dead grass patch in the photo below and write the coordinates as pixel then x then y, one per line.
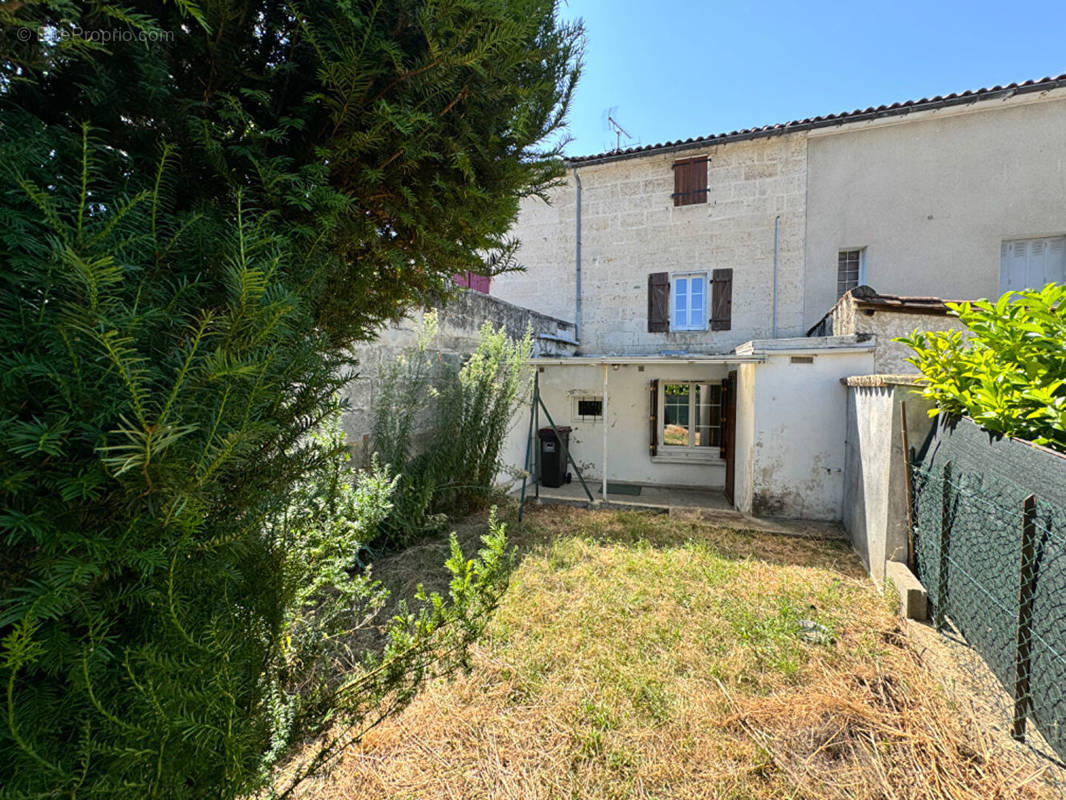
pixel 642 656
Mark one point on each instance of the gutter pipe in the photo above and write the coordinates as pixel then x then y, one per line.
pixel 777 231
pixel 577 316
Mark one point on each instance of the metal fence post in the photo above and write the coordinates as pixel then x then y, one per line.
pixel 945 538
pixel 1026 587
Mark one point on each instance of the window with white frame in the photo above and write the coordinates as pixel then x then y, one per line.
pixel 851 270
pixel 1032 263
pixel 690 415
pixel 688 301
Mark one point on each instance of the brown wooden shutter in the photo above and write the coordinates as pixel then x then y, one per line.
pixel 659 302
pixel 729 433
pixel 680 183
pixel 721 299
pixel 690 181
pixel 723 421
pixel 654 417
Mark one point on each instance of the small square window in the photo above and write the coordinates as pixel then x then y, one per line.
pixel 588 408
pixel 851 270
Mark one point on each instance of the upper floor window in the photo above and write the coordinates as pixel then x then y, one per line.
pixel 688 302
pixel 690 181
pixel 680 304
pixel 851 270
pixel 1032 263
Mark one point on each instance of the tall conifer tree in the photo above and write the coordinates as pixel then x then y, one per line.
pixel 202 205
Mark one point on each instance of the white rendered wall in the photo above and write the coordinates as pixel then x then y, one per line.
pixel 799 427
pixel 931 196
pixel 627 418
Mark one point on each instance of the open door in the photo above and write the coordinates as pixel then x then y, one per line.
pixel 729 431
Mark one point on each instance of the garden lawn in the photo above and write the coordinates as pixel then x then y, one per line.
pixel 642 656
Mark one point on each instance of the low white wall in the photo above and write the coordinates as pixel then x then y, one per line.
pixel 799 418
pixel 875 495
pixel 790 427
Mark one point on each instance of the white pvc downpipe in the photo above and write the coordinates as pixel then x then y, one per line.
pixel 777 231
pixel 577 259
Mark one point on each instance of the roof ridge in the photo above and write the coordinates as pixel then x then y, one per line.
pixel 827 120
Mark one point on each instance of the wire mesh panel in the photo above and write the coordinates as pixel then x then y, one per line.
pixel 990 547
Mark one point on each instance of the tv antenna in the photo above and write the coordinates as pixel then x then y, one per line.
pixel 612 125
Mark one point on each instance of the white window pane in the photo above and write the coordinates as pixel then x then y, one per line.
pixel 680 314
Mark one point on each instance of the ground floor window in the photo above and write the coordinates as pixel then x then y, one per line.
pixel 690 415
pixel 588 408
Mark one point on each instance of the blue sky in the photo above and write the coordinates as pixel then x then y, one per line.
pixel 682 68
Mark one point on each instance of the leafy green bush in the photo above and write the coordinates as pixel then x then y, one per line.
pixel 323 679
pixel 466 407
pixel 1009 374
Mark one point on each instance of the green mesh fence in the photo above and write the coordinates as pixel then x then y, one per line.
pixel 990 548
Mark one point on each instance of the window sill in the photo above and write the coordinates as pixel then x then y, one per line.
pixel 688 457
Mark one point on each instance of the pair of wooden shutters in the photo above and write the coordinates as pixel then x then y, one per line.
pixel 721 301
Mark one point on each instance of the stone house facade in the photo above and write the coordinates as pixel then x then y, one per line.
pixel 631 228
pixel 702 279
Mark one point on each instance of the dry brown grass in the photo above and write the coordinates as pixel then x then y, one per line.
pixel 641 656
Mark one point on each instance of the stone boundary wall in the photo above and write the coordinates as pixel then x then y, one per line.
pixel 457 335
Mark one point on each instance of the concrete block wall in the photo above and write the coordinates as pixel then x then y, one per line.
pixel 875 475
pixel 885 325
pixel 630 228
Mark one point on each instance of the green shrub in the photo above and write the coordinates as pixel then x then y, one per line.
pixel 465 408
pixel 324 679
pixel 1009 374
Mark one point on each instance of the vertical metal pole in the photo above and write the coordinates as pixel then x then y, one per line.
pixel 577 261
pixel 777 232
pixel 1026 586
pixel 945 539
pixel 529 447
pixel 536 435
pixel 603 420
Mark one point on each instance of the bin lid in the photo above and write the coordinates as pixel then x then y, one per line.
pixel 550 432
